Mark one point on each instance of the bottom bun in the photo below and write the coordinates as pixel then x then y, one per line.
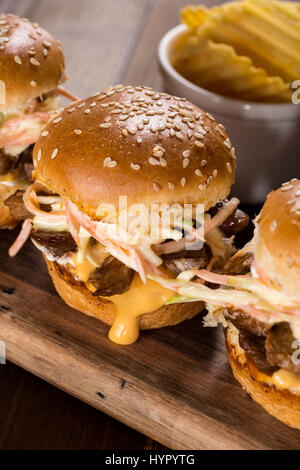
pixel 6 221
pixel 280 403
pixel 78 296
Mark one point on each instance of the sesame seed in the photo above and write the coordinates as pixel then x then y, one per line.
pixel 81 105
pixel 123 117
pixel 190 133
pixel 87 111
pixel 153 161
pixel 135 166
pixel 186 153
pixel 233 152
pixel 139 140
pixel 172 132
pixel 198 135
pixel 70 110
pixel 227 144
pixel 215 172
pixel 171 186
pixel 287 188
pixel 54 153
pixel 199 144
pixel 18 60
pixel 203 163
pixel 156 186
pixel 77 131
pixel 186 162
pixel 179 135
pixel 39 155
pixel 93 104
pixel 107 119
pixel 108 162
pixel 229 167
pixel 44 133
pixel 33 83
pixel 198 172
pixel 34 61
pixel 45 52
pixel 46 44
pixel 210 116
pixel 183 181
pixel 131 130
pixel 273 225
pixel 105 125
pixel 201 187
pixel 153 128
pixel 57 120
pixel 125 132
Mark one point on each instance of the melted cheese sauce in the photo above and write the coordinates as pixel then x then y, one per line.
pixel 286 379
pixel 82 270
pixel 10 182
pixel 139 299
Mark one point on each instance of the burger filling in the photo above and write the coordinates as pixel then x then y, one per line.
pixel 267 320
pixel 19 131
pixel 100 257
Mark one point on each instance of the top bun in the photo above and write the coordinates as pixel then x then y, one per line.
pixel 277 240
pixel 31 62
pixel 135 142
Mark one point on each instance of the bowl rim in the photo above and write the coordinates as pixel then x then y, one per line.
pixel 222 104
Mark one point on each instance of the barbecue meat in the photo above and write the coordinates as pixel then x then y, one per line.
pixel 16 206
pixel 187 259
pixel 112 278
pixel 57 243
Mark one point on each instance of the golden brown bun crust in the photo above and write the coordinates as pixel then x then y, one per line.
pixel 282 404
pixel 129 137
pixel 77 296
pixel 277 245
pixel 19 39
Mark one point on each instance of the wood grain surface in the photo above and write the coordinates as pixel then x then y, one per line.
pixel 174 385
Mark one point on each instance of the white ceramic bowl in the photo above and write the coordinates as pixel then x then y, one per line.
pixel 266 136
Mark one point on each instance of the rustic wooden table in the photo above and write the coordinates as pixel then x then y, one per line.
pixel 105 42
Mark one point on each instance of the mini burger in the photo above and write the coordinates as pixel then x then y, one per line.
pixel 107 171
pixel 258 301
pixel 31 68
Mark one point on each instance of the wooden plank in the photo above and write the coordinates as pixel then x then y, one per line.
pixel 187 400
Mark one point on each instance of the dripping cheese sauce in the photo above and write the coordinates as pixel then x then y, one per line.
pixel 130 306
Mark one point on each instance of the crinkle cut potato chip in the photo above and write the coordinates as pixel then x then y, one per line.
pixel 267 31
pixel 217 67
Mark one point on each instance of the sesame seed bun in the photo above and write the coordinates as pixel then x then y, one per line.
pixel 135 142
pixel 31 62
pixel 283 404
pixel 78 296
pixel 277 238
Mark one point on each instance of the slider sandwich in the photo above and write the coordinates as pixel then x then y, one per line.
pixel 258 302
pixel 109 170
pixel 31 68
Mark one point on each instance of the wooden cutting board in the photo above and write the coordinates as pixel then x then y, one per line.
pixel 173 385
